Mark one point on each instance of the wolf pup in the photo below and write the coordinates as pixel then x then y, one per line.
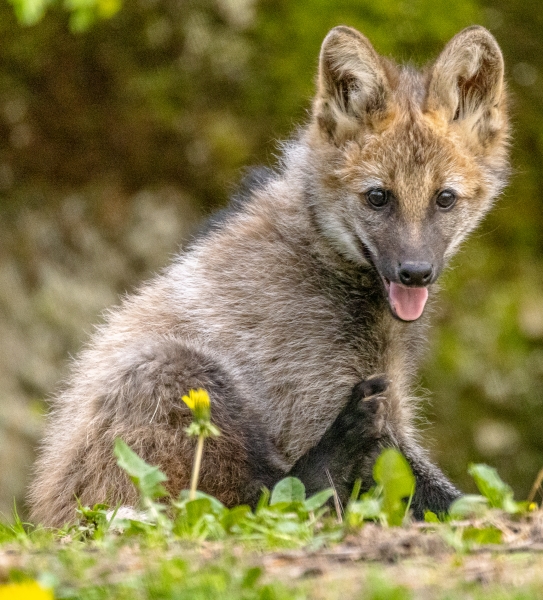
pixel 287 308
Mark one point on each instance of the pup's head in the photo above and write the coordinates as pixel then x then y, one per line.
pixel 405 163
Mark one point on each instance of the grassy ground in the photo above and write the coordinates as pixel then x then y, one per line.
pixel 373 562
pixel 289 547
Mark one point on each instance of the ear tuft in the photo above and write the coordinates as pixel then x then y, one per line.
pixel 466 82
pixel 352 85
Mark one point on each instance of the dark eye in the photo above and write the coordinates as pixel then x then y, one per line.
pixel 377 197
pixel 446 199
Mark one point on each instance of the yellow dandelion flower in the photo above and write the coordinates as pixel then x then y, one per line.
pixel 532 506
pixel 28 590
pixel 199 404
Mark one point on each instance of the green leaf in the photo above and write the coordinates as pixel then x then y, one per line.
pixel 196 509
pixel 251 577
pixel 431 517
pixel 235 516
pixel 470 505
pixel 485 535
pixel 290 489
pixel 184 498
pixel 145 477
pixel 368 508
pixel 499 494
pixel 393 473
pixel 318 500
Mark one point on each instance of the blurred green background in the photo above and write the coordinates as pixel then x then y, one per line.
pixel 122 126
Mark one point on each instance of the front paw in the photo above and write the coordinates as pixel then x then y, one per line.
pixel 362 421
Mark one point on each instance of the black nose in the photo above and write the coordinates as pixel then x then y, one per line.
pixel 416 273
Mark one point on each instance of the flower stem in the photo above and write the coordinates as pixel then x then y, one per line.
pixel 196 467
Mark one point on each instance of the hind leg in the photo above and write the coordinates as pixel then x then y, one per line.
pixel 145 410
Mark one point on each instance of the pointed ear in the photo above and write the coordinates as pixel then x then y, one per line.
pixel 466 82
pixel 352 84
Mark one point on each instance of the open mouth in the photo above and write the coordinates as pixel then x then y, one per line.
pixel 406 303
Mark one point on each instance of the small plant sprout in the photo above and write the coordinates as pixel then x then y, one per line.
pixel 201 426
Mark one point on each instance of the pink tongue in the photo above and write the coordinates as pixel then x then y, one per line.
pixel 407 302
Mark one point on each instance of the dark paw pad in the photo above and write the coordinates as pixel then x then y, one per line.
pixel 364 417
pixel 372 412
pixel 373 386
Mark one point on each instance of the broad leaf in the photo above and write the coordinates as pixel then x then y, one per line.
pixel 145 477
pixel 393 473
pixel 431 517
pixel 368 508
pixel 318 500
pixel 499 494
pixel 290 489
pixel 184 498
pixel 196 509
pixel 470 505
pixel 235 516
